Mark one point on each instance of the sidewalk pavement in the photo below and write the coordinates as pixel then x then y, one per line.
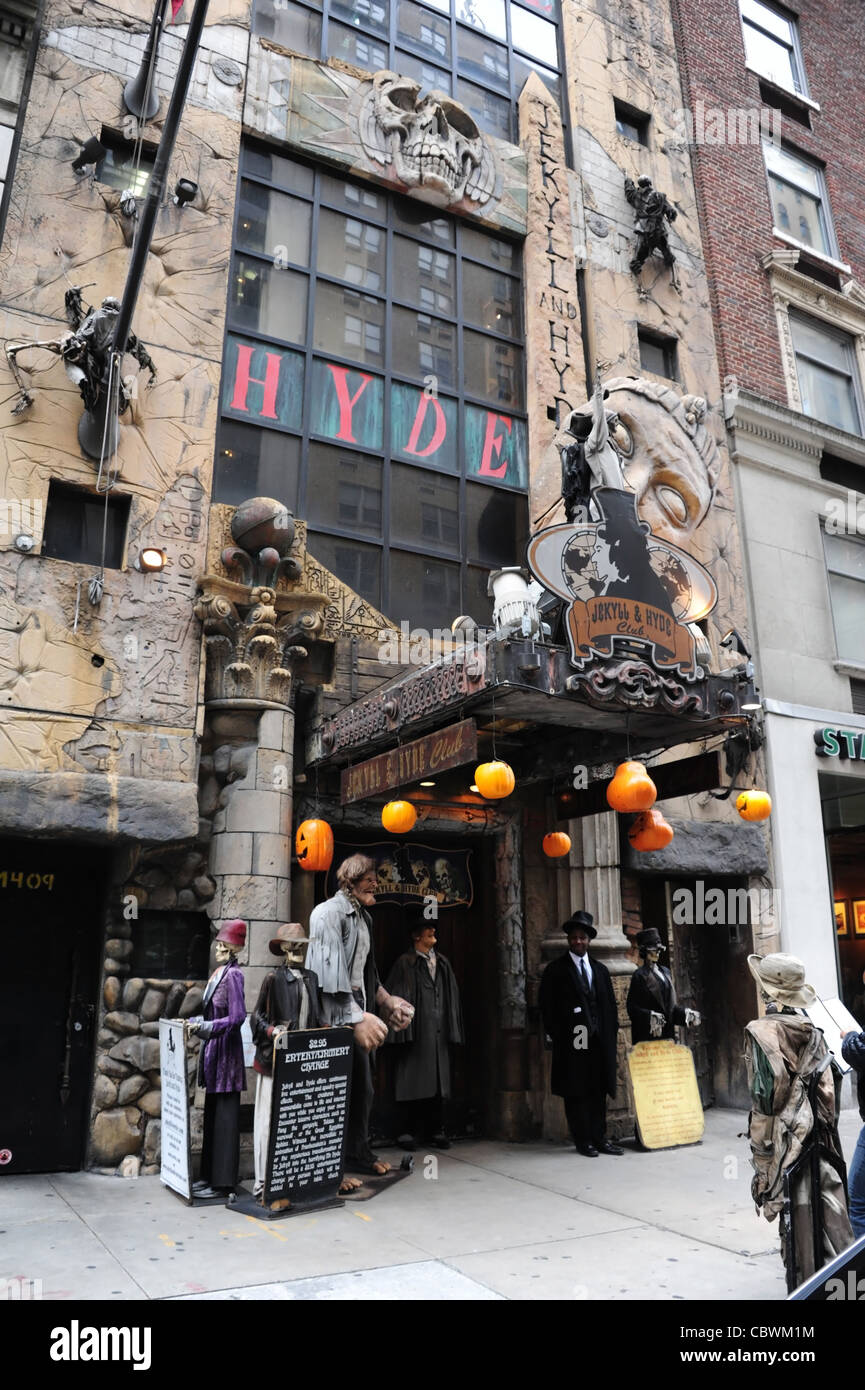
pixel 481 1221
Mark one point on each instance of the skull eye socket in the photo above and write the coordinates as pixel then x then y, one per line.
pixel 460 120
pixel 403 97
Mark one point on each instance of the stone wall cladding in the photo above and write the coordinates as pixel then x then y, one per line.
pixel 733 194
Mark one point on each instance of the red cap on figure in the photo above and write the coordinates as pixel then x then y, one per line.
pixel 233 933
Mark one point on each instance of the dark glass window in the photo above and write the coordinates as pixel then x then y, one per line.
pixel 74 522
pixel 422 28
pixel 290 25
pixel 171 945
pixel 408 383
pixel 124 165
pixel 631 123
pixel 657 354
pixel 256 463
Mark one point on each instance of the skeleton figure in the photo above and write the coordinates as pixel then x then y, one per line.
pixel 448 881
pixel 420 873
pixel 652 210
pixel 434 145
pixel 85 352
pixel 388 876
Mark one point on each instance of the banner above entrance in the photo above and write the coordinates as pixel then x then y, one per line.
pixel 413 873
pixel 425 757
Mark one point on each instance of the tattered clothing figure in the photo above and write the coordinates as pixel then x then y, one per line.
pixel 794 1105
pixel 653 209
pixel 289 1000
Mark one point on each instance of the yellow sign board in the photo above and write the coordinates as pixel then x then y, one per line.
pixel 665 1093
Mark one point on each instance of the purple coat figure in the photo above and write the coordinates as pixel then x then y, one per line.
pixel 221 1067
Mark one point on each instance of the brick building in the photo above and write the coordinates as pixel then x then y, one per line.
pixel 784 239
pixel 378 308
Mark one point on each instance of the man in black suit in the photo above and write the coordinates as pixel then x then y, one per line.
pixel 581 1020
pixel 651 1005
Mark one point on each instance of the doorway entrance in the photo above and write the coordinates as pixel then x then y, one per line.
pixel 50 920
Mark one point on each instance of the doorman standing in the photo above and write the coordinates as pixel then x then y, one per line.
pixel 581 1020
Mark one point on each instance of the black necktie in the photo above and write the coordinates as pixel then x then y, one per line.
pixel 584 975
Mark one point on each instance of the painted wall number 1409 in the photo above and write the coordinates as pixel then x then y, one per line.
pixel 10 880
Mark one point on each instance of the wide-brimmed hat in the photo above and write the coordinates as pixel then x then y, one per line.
pixel 233 933
pixel 782 977
pixel 649 940
pixel 289 931
pixel 583 921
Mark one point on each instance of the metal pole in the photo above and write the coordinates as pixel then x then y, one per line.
pixel 139 97
pixel 91 427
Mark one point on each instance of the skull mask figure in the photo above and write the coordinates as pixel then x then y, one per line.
pixel 444 881
pixel 434 144
pixel 388 876
pixel 420 873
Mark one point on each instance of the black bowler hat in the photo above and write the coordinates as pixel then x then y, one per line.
pixel 649 940
pixel 584 921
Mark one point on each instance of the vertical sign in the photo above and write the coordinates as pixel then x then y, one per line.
pixel 175 1171
pixel 311 1085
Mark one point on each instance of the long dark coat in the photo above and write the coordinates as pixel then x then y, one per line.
pixel 423 1066
pixel 221 1065
pixel 649 994
pixel 564 1006
pixel 278 1005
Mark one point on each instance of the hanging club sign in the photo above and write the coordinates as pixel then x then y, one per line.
pixel 624 584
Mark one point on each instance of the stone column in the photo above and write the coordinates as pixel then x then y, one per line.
pixel 513 1112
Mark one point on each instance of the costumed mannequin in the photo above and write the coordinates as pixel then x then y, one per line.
pixel 289 1000
pixel 341 955
pixel 651 1004
pixel 581 1022
pixel 220 1070
pixel 423 1072
pixel 795 1088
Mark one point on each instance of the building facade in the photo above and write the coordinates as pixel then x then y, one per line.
pixel 407 249
pixel 785 253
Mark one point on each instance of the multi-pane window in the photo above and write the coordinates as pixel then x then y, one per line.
pixel 374 381
pixel 845 563
pixel 826 369
pixel 15 39
pixel 800 204
pixel 479 51
pixel 772 45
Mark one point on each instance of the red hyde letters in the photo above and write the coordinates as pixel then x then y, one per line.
pixel 493 445
pixel 242 379
pixel 438 434
pixel 346 402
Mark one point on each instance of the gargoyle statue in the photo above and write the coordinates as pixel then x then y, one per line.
pixel 85 352
pixel 653 210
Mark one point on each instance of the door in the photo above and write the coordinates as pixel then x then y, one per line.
pixel 51 900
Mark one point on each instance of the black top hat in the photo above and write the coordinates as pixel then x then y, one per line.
pixel 650 940
pixel 584 921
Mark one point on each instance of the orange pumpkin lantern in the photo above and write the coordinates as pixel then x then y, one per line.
pixel 398 817
pixel 632 789
pixel 650 831
pixel 314 845
pixel 495 780
pixel 754 805
pixel 556 844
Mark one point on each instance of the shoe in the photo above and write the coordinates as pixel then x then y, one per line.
pixel 587 1150
pixel 440 1141
pixel 407 1142
pixel 608 1147
pixel 208 1193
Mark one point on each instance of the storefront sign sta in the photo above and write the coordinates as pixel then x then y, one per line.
pixel 412 761
pixel 840 743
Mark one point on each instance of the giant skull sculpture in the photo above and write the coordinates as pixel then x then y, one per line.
pixel 433 144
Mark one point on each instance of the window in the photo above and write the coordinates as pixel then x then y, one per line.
pixel 772 45
pixel 658 354
pixel 845 563
pixel 482 51
pixel 631 123
pixel 800 205
pixel 123 166
pixel 74 521
pixel 826 370
pixel 376 385
pixel 171 945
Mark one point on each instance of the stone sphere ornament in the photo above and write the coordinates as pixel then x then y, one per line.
pixel 632 789
pixel 495 780
pixel 399 817
pixel 754 805
pixel 261 522
pixel 314 845
pixel 556 844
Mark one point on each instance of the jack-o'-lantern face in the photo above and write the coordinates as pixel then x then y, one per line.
pixel 314 845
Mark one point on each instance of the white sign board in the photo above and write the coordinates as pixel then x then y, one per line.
pixel 832 1016
pixel 175 1172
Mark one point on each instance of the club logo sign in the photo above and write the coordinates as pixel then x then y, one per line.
pixel 626 586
